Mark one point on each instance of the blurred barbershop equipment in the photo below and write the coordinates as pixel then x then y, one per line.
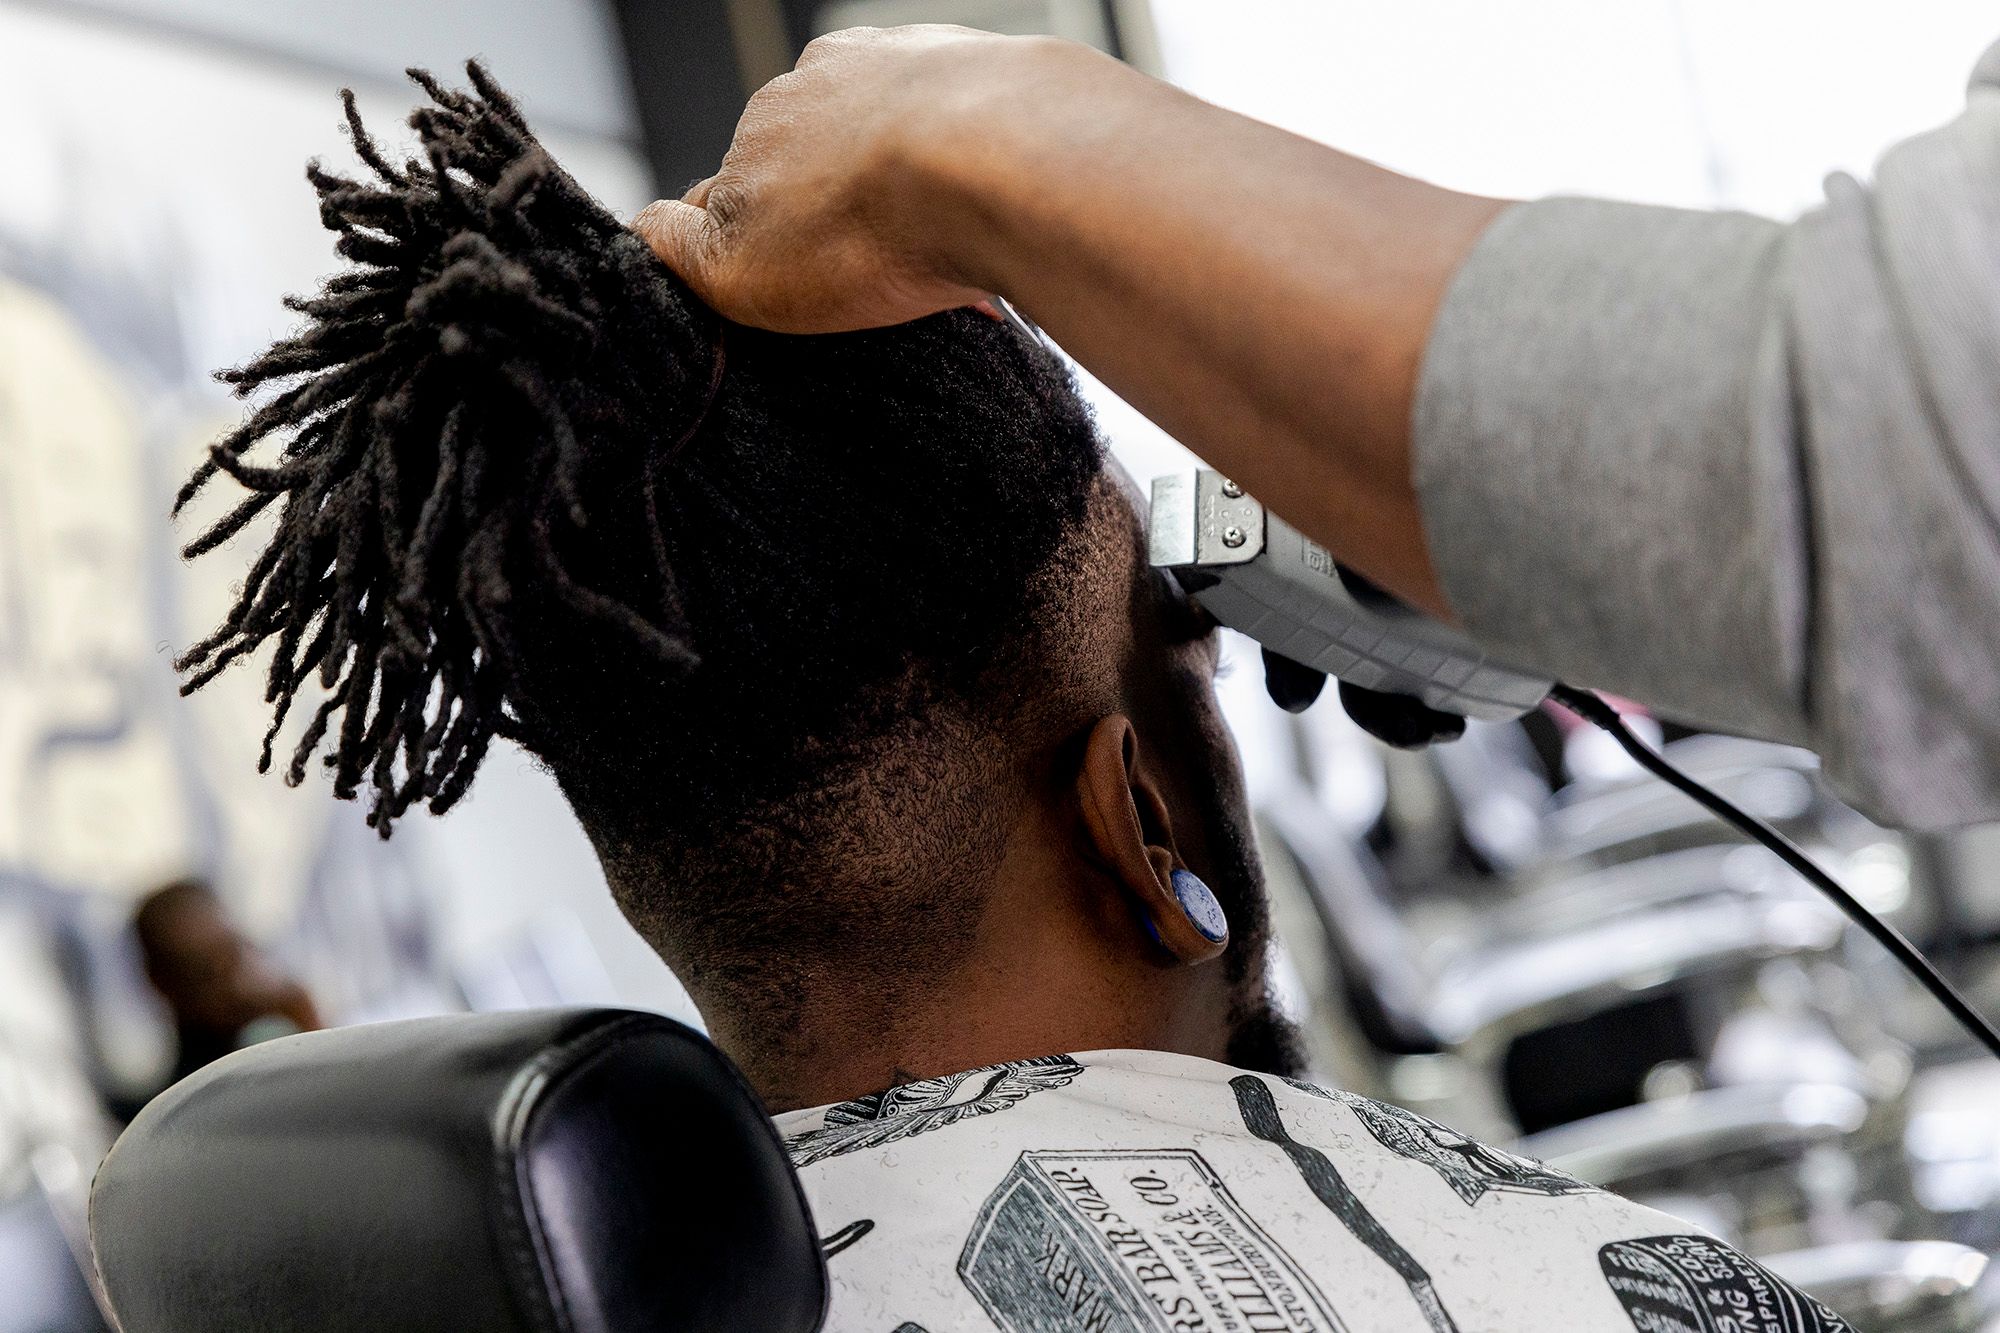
pixel 1527 938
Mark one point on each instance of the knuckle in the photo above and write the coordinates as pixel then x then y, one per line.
pixel 817 50
pixel 763 106
pixel 652 219
pixel 828 42
pixel 658 224
pixel 775 89
pixel 832 44
pixel 727 204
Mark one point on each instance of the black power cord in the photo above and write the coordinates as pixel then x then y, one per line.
pixel 1593 709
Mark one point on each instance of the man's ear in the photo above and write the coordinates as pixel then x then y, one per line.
pixel 1132 835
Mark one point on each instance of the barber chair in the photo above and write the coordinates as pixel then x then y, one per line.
pixel 1660 1002
pixel 1706 917
pixel 1606 822
pixel 560 1171
pixel 1909 1286
pixel 44 1284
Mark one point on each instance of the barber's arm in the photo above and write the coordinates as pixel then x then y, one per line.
pixel 1263 298
pixel 1749 473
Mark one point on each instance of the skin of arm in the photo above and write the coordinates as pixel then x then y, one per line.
pixel 1263 298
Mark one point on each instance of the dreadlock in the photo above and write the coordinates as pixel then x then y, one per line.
pixel 521 491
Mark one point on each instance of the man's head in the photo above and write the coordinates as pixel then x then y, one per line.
pixel 834 644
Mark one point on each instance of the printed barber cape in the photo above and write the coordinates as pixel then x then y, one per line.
pixel 1137 1190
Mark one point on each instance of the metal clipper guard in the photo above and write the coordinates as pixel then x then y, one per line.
pixel 1257 574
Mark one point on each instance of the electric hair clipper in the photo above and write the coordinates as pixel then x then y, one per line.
pixel 1258 574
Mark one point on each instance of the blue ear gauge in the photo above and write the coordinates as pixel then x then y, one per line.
pixel 1201 906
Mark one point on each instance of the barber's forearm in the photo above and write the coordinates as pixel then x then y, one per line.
pixel 1264 298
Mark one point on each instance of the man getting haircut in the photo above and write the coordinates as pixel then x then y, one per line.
pixel 846 653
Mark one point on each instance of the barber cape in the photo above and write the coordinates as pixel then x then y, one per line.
pixel 1138 1190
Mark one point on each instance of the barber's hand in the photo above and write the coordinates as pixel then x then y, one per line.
pixel 1401 720
pixel 1394 719
pixel 820 219
pixel 1293 686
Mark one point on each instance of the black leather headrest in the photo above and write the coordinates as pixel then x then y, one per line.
pixel 565 1171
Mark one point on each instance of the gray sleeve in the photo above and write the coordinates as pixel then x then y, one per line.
pixel 1746 472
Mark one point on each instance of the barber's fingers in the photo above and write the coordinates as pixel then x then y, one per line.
pixel 1292 685
pixel 1399 719
pixel 1395 719
pixel 686 238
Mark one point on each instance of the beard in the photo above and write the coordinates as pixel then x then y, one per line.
pixel 1261 1040
pixel 1264 1041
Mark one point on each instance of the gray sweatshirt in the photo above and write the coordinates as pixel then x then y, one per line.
pixel 1746 472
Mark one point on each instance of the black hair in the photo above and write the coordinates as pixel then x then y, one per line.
pixel 528 486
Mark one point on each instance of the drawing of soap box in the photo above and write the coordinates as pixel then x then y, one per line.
pixel 1108 1241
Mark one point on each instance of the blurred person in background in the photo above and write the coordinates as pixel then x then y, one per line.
pixel 220 990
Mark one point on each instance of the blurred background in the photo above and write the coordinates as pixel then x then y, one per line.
pixel 1513 933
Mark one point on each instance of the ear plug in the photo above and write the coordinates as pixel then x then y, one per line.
pixel 1201 906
